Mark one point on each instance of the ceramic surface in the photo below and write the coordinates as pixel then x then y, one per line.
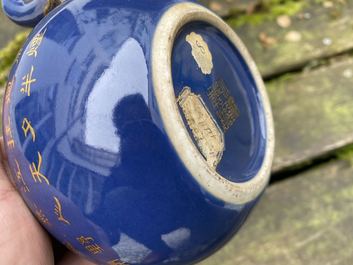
pixel 89 150
pixel 24 12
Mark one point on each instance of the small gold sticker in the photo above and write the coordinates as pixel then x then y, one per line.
pixel 206 132
pixel 200 52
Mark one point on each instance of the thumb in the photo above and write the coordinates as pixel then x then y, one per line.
pixel 22 239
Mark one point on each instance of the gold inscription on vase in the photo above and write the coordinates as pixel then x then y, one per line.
pixel 224 104
pixel 205 130
pixel 200 52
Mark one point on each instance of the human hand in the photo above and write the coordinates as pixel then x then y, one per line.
pixel 22 239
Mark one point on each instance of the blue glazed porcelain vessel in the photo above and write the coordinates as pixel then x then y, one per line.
pixel 138 132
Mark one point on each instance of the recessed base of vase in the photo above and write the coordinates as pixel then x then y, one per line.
pixel 213 103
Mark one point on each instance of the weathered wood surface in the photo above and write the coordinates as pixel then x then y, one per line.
pixel 313 113
pixel 304 220
pixel 228 7
pixel 8 30
pixel 319 32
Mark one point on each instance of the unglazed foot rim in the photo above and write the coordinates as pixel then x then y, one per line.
pixel 166 32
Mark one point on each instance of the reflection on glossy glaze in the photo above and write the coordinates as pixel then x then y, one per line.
pixel 87 146
pixel 128 69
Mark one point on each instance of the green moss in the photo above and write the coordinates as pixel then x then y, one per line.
pixel 346 153
pixel 268 10
pixel 8 55
pixel 280 81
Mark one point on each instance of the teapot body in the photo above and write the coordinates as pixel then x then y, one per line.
pixel 138 132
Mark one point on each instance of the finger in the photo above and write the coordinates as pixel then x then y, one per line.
pixel 6 185
pixel 22 239
pixel 74 259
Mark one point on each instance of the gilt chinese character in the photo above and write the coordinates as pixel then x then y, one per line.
pixel 42 217
pixel 35 44
pixel 20 179
pixel 35 171
pixel 88 243
pixel 94 249
pixel 58 211
pixel 11 143
pixel 27 127
pixel 27 81
pixel 8 131
pixel 85 240
pixel 9 88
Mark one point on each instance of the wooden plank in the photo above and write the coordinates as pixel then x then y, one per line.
pixel 228 7
pixel 315 32
pixel 313 113
pixel 303 220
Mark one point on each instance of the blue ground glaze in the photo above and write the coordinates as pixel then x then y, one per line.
pixel 122 189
